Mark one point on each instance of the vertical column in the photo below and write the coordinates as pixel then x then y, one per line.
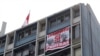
pixel 45 35
pixel 5 45
pixel 9 44
pixel 71 17
pixel 81 28
pixel 36 43
pixel 13 43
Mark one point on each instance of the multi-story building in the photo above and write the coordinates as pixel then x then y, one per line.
pixel 72 32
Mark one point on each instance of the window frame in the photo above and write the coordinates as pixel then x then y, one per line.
pixel 40 42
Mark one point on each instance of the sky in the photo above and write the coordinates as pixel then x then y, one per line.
pixel 14 12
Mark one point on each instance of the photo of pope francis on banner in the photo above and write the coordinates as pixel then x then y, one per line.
pixel 58 39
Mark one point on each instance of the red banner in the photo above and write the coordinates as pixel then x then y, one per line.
pixel 58 39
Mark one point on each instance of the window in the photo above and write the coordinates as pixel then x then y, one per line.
pixel 18 54
pixel 52 22
pixel 1 55
pixel 77 52
pixel 60 19
pixel 25 52
pixel 28 32
pixel 11 39
pixel 76 31
pixel 67 17
pixel 31 49
pixel 42 27
pixel 2 42
pixel 41 47
pixel 21 35
pixel 33 30
pixel 76 12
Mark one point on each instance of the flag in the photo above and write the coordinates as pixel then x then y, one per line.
pixel 26 20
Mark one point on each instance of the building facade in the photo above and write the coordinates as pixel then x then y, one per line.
pixel 71 32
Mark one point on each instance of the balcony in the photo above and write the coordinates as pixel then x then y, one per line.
pixel 58 26
pixel 25 35
pixel 25 40
pixel 58 21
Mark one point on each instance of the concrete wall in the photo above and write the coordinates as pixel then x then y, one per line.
pixel 90 32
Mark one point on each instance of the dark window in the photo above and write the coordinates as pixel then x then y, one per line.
pixel 25 52
pixel 41 47
pixel 42 26
pixel 18 54
pixel 22 52
pixel 21 35
pixel 31 49
pixel 28 32
pixel 33 30
pixel 1 55
pixel 2 42
pixel 76 31
pixel 52 22
pixel 76 13
pixel 11 39
pixel 60 19
pixel 67 17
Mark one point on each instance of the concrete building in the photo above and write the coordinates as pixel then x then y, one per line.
pixel 74 31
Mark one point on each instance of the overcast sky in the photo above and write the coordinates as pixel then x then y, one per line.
pixel 14 12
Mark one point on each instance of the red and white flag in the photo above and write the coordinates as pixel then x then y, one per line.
pixel 26 20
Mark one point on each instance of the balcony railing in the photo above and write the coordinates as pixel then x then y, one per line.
pixel 58 26
pixel 25 40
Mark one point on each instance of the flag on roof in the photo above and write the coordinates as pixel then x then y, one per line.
pixel 26 20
